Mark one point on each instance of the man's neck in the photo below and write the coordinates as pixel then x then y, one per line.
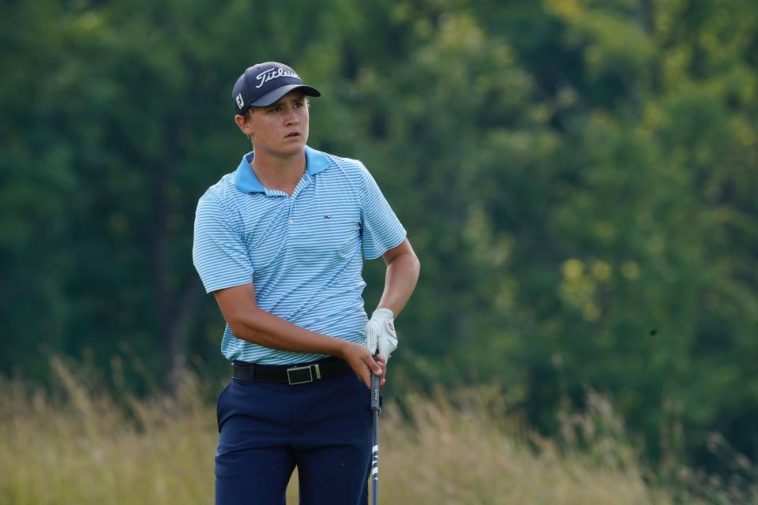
pixel 278 172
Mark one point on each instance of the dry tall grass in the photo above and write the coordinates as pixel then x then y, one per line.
pixel 455 449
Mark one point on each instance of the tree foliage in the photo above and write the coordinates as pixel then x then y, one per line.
pixel 578 178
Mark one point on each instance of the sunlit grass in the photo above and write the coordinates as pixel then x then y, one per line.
pixel 468 454
pixel 83 448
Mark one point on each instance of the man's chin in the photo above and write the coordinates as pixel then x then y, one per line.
pixel 293 146
pixel 285 153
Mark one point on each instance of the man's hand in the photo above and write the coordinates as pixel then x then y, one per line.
pixel 380 333
pixel 362 362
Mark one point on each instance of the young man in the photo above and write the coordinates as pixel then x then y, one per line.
pixel 280 242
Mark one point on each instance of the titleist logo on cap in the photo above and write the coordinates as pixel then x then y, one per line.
pixel 274 73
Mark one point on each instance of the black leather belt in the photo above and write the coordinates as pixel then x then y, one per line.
pixel 300 373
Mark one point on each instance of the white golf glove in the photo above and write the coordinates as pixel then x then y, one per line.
pixel 380 333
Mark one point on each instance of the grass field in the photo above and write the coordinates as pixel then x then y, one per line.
pixel 82 447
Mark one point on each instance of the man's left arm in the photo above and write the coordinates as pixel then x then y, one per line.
pixel 403 269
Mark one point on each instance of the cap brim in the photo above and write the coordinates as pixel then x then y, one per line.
pixel 273 96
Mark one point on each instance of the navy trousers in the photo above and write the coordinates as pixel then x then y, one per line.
pixel 266 430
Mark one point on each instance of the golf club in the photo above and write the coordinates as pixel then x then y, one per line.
pixel 376 407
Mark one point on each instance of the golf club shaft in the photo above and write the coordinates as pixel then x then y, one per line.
pixel 376 407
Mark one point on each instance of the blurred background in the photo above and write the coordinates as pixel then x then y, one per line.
pixel 578 178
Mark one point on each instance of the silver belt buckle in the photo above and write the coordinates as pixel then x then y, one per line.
pixel 292 378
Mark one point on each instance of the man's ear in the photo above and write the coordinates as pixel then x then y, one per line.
pixel 244 124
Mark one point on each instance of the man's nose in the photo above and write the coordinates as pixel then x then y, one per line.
pixel 289 115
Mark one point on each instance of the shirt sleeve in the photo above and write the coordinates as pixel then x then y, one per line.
pixel 381 228
pixel 218 249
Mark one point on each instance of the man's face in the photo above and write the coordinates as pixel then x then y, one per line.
pixel 280 129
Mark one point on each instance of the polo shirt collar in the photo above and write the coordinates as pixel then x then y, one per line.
pixel 247 182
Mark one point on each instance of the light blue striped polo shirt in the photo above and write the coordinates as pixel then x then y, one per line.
pixel 304 253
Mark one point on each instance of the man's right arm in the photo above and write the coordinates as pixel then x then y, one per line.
pixel 248 322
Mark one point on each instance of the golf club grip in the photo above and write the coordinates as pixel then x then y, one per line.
pixel 376 404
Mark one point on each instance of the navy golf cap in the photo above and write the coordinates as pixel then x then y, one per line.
pixel 265 83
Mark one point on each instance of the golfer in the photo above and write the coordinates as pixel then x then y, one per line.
pixel 280 242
